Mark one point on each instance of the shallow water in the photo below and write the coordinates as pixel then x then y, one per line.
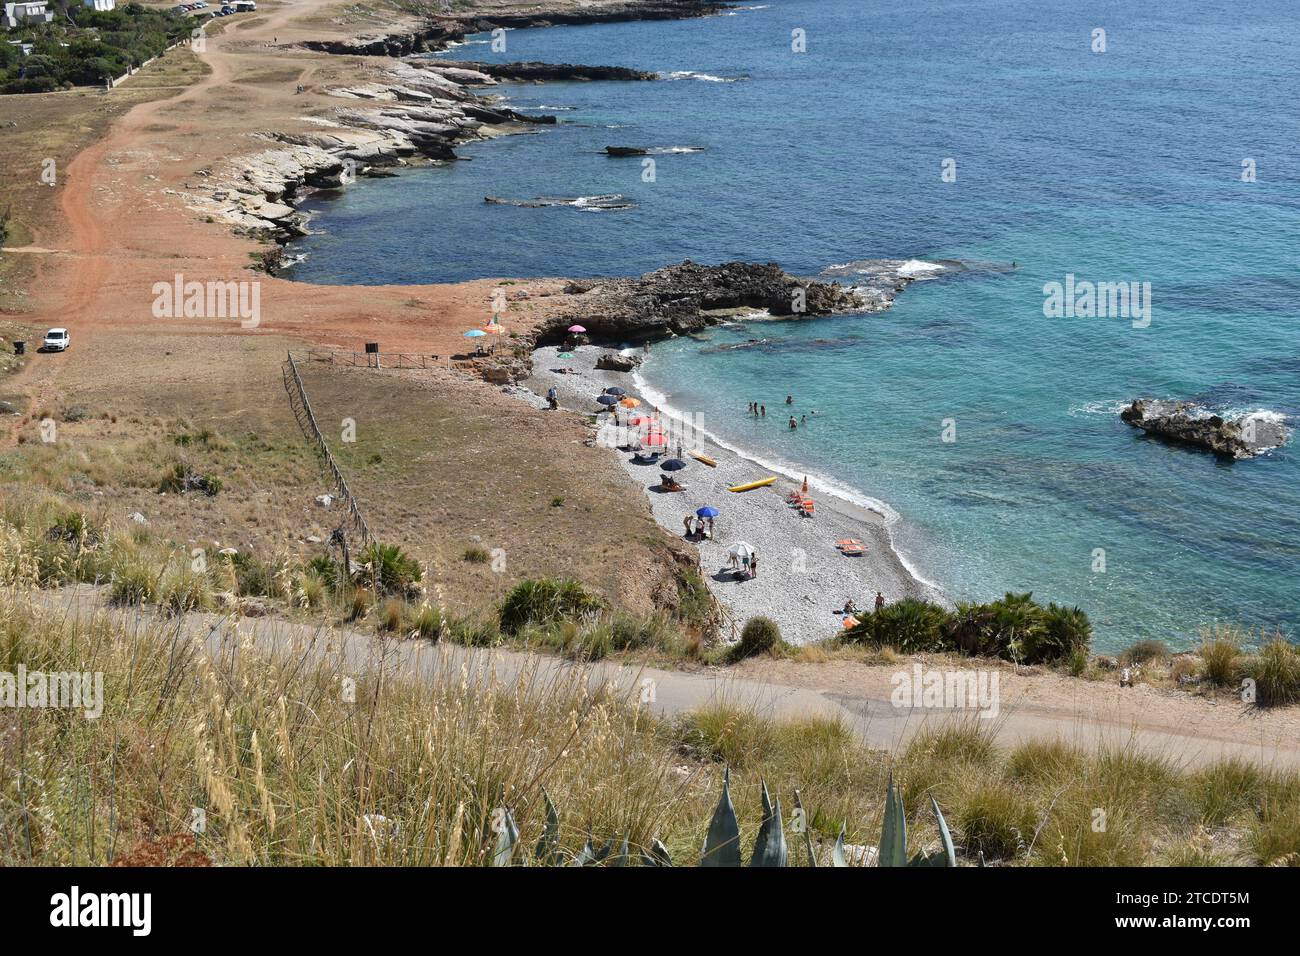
pixel 1124 165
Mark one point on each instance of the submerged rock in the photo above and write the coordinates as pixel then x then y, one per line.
pixel 1187 423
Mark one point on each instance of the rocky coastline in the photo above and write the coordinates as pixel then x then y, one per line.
pixel 413 110
pixel 440 32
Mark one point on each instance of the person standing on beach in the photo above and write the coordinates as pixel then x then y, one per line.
pixel 880 600
pixel 753 565
pixel 690 526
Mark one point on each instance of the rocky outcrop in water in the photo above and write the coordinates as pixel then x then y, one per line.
pixel 542 72
pixel 442 31
pixel 1186 423
pixel 685 298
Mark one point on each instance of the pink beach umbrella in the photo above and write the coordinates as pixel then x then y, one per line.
pixel 577 328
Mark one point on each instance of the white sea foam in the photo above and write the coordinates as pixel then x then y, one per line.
pixel 706 77
pixel 919 269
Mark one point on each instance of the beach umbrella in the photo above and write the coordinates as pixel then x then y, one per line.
pixel 576 328
pixel 708 511
pixel 493 329
pixel 655 438
pixel 640 420
pixel 616 390
pixel 630 402
pixel 474 333
pixel 673 464
pixel 607 399
pixel 742 550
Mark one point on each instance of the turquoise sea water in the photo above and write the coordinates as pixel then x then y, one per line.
pixel 1115 166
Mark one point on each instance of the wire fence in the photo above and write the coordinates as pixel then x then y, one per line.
pixel 393 360
pixel 307 422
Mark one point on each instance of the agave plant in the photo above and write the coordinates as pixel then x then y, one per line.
pixel 722 842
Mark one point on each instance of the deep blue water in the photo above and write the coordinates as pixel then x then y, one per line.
pixel 1122 165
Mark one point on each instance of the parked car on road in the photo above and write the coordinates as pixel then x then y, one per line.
pixel 56 340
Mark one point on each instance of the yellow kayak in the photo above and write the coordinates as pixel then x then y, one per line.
pixel 704 458
pixel 754 484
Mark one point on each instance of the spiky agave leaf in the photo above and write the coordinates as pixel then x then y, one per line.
pixel 946 855
pixel 807 838
pixel 893 831
pixel 657 855
pixel 722 844
pixel 769 847
pixel 837 851
pixel 621 858
pixel 949 851
pixel 548 846
pixel 507 837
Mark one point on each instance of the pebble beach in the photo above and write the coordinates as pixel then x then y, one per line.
pixel 803 580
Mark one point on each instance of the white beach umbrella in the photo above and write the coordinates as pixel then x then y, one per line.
pixel 742 550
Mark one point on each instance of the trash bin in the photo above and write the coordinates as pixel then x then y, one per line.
pixel 20 348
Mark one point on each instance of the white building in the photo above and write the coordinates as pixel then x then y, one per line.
pixel 17 14
pixel 100 5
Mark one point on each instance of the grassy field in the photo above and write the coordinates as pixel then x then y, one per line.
pixel 283 762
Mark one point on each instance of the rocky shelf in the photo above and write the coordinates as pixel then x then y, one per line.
pixel 1186 423
pixel 686 298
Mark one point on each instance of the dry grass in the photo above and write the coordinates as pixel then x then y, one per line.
pixel 298 755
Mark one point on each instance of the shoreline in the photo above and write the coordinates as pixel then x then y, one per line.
pixel 803 579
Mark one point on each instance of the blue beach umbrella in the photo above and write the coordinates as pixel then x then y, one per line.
pixel 615 390
pixel 608 399
pixel 474 333
pixel 673 464
pixel 708 511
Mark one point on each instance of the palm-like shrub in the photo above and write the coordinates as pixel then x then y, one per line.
pixel 545 602
pixel 1014 627
pixel 390 570
pixel 910 626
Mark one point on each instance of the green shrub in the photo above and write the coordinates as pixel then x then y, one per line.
pixel 1220 650
pixel 910 626
pixel 310 590
pixel 995 820
pixel 477 555
pixel 544 602
pixel 1276 672
pixel 133 583
pixel 1013 627
pixel 760 636
pixel 184 591
pixel 425 621
pixel 390 570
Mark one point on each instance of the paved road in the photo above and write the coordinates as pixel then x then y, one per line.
pixel 870 715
